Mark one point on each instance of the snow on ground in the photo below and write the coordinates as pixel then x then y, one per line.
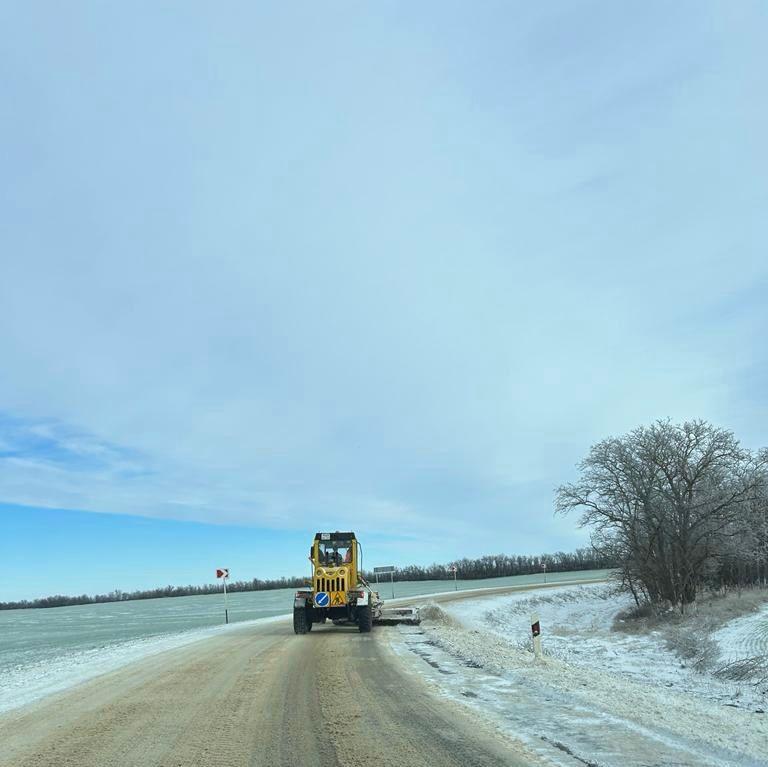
pixel 33 681
pixel 599 697
pixel 577 628
pixel 744 637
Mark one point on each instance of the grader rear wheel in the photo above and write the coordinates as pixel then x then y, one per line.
pixel 302 620
pixel 364 619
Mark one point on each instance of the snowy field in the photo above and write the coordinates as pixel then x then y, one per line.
pixel 599 697
pixel 45 651
pixel 28 682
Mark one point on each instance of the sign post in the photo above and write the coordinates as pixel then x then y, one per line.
pixel 455 584
pixel 536 633
pixel 384 570
pixel 223 573
pixel 544 567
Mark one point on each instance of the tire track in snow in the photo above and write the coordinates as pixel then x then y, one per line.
pixel 745 637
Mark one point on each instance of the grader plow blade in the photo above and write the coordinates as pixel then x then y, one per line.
pixel 391 616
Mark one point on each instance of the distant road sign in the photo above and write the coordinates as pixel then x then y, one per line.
pixel 222 572
pixel 453 568
pixel 322 599
pixel 384 570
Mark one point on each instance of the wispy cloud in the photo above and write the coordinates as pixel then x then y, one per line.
pixel 60 447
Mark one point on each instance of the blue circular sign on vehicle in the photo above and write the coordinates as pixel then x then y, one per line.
pixel 322 599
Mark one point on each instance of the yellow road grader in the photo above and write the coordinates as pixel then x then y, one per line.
pixel 339 592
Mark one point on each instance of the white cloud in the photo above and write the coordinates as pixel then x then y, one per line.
pixel 411 299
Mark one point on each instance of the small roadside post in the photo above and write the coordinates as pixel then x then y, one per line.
pixel 536 633
pixel 389 569
pixel 544 568
pixel 223 573
pixel 455 584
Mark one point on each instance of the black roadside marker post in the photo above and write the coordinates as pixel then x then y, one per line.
pixel 536 633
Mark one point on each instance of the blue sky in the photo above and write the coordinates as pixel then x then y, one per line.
pixel 271 269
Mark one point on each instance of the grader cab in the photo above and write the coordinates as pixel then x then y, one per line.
pixel 339 591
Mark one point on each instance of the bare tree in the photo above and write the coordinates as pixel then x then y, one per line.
pixel 664 500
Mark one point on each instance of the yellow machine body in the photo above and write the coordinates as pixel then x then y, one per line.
pixel 338 590
pixel 335 568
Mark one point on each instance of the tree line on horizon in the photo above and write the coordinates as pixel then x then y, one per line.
pixel 504 565
pixel 490 566
pixel 681 508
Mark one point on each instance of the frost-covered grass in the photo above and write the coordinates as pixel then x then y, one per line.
pixel 711 611
pixel 722 634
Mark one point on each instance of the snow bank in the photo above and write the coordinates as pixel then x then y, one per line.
pixel 600 697
pixel 577 627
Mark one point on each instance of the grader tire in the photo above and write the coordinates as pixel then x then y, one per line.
pixel 364 619
pixel 302 623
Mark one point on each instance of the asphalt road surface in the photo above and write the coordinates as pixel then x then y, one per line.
pixel 255 696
